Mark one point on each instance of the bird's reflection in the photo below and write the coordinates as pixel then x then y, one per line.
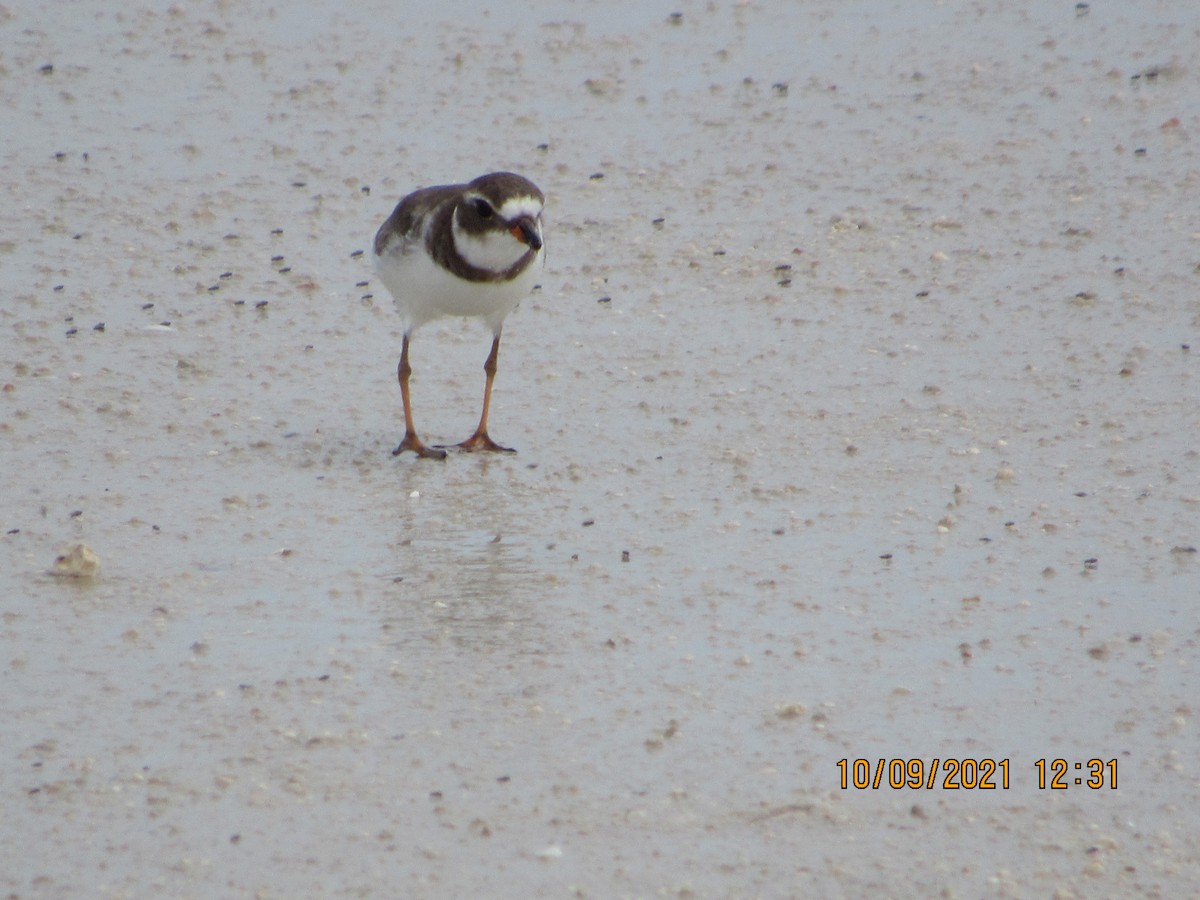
pixel 452 583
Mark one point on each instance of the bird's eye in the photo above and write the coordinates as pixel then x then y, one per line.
pixel 483 209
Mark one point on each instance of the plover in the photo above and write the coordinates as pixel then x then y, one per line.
pixel 460 250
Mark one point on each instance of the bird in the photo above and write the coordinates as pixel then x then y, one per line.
pixel 468 250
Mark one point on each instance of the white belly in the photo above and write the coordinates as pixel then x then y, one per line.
pixel 424 291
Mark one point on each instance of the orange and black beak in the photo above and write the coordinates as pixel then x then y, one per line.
pixel 525 230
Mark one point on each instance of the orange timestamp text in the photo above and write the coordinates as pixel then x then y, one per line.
pixel 964 774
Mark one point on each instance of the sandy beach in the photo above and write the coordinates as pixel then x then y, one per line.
pixel 850 547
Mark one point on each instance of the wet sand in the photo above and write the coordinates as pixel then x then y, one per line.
pixel 856 416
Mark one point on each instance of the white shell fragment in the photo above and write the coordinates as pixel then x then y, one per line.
pixel 80 561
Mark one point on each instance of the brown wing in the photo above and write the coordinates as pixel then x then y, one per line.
pixel 410 214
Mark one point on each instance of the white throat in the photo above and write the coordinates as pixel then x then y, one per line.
pixel 492 251
pixel 498 250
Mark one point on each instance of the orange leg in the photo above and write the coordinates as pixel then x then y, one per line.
pixel 411 441
pixel 480 440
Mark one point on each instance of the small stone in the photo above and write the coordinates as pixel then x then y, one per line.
pixel 790 710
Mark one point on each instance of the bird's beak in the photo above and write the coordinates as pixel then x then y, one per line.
pixel 525 230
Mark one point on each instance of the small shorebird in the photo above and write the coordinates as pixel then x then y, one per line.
pixel 460 250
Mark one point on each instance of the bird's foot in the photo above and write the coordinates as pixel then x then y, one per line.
pixel 480 441
pixel 414 443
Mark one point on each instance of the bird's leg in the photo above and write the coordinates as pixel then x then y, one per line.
pixel 480 440
pixel 411 441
